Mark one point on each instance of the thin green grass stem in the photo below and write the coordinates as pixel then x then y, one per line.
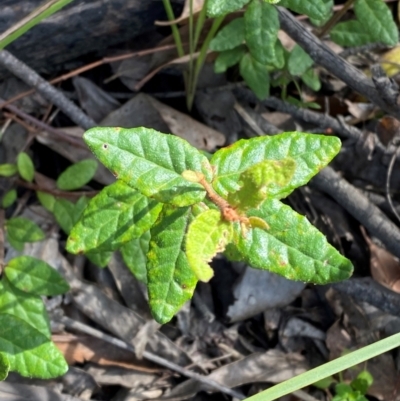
pixel 328 369
pixel 37 15
pixel 174 28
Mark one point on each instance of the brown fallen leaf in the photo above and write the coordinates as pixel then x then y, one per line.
pixel 184 126
pixel 385 267
pixel 197 5
pixel 83 348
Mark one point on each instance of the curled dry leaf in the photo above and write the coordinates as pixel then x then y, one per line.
pixel 182 125
pixel 385 267
pixel 197 6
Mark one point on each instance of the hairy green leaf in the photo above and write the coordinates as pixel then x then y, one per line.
pixel 351 34
pixel 25 166
pixel 77 175
pixel 228 58
pixel 67 213
pixel 310 153
pixel 208 234
pixel 291 247
pixel 7 170
pixel 261 26
pixel 376 15
pixel 34 276
pixel 256 181
pixel 24 230
pixel 46 200
pixel 9 198
pixel 316 9
pixel 134 254
pixel 170 280
pixel 327 14
pixel 229 37
pixel 299 61
pixel 28 351
pixel 151 162
pixel 27 307
pixel 216 8
pixel 256 76
pixel 4 366
pixel 116 215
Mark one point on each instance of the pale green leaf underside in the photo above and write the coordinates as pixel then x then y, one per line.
pixel 256 181
pixel 34 276
pixel 208 234
pixel 150 162
pixel 256 76
pixel 309 152
pixel 291 247
pixel 77 175
pixel 377 17
pixel 299 61
pixel 116 215
pixel 170 281
pixel 134 254
pixel 216 8
pixel 28 351
pixel 316 9
pixel 24 230
pixel 229 37
pixel 350 33
pixel 4 366
pixel 29 308
pixel 261 27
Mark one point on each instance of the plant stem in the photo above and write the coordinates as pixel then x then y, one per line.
pixel 191 49
pixel 335 18
pixel 1 241
pixel 174 28
pixel 201 59
pixel 200 23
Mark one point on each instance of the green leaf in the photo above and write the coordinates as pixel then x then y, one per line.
pixel 170 280
pixel 327 14
pixel 134 254
pixel 217 8
pixel 310 152
pixel 262 26
pixel 316 9
pixel 208 234
pixel 151 162
pixel 116 215
pixel 377 16
pixel 350 34
pixel 27 307
pixel 100 259
pixel 324 383
pixel 29 352
pixel 292 247
pixel 24 230
pixel 4 366
pixel 362 382
pixel 25 167
pixel 256 76
pixel 311 79
pixel 343 389
pixel 67 213
pixel 9 198
pixel 34 276
pixel 77 175
pixel 279 61
pixel 17 245
pixel 7 170
pixel 299 61
pixel 229 37
pixel 256 182
pixel 228 58
pixel 46 200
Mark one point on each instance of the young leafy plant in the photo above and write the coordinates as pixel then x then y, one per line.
pixel 176 209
